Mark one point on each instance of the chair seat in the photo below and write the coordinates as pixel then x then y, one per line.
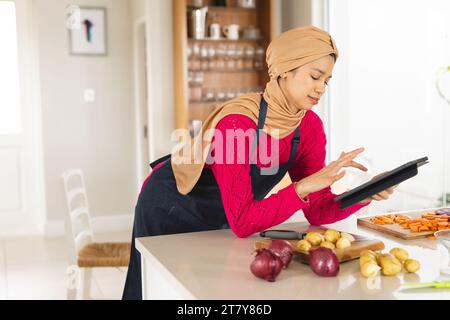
pixel 104 255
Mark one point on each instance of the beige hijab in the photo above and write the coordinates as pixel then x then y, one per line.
pixel 289 51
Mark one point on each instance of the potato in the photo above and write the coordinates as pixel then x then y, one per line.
pixel 383 255
pixel 391 269
pixel 368 253
pixel 332 235
pixel 390 266
pixel 348 236
pixel 343 243
pixel 411 265
pixel 328 244
pixel 370 269
pixel 400 254
pixel 314 238
pixel 365 259
pixel 303 245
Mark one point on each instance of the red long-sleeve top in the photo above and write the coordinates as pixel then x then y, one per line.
pixel 247 215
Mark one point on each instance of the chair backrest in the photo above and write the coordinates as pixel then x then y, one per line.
pixel 77 220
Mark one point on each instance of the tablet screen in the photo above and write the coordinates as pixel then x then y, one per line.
pixel 381 183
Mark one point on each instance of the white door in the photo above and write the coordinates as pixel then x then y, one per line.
pixel 21 204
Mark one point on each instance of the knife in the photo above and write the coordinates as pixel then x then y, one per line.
pixel 435 284
pixel 282 234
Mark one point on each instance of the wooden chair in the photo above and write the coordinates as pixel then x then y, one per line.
pixel 85 253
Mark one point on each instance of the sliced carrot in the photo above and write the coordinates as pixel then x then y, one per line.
pixel 415 224
pixel 429 221
pixel 431 237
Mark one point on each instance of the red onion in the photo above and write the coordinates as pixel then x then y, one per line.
pixel 266 265
pixel 283 249
pixel 324 262
pixel 443 212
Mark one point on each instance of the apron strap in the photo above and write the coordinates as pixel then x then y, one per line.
pixel 261 120
pixel 155 163
pixel 262 114
pixel 295 142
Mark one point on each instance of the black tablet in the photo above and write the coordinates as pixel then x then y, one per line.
pixel 383 182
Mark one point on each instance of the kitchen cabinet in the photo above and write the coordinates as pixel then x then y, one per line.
pixel 210 71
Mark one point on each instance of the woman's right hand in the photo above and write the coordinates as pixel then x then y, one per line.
pixel 328 175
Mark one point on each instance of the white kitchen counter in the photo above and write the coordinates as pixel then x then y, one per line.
pixel 216 265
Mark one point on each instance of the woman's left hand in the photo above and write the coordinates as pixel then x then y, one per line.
pixel 383 195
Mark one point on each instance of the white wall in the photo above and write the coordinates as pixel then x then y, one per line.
pixel 137 9
pixel 97 137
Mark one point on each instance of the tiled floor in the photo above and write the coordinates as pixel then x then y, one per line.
pixel 35 268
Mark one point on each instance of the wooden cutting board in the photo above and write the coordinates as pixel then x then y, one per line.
pixel 347 254
pixel 395 229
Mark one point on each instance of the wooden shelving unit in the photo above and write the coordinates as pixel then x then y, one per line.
pixel 224 81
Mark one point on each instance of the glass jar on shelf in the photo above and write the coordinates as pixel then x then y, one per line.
pixel 231 57
pixel 221 94
pixel 204 57
pixel 212 61
pixel 259 58
pixel 194 62
pixel 196 49
pixel 249 53
pixel 208 95
pixel 240 57
pixel 231 94
pixel 221 53
pixel 197 79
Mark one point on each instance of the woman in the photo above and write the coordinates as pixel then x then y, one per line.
pixel 188 196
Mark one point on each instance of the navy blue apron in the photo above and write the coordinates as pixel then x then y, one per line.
pixel 162 210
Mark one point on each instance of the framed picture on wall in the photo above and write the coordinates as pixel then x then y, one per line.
pixel 87 33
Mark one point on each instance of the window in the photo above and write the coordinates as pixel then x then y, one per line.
pixel 10 118
pixel 384 97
